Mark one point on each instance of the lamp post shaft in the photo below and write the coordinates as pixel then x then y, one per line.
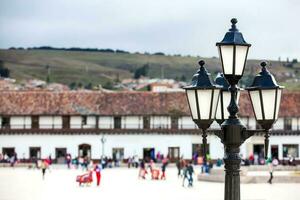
pixel 232 162
pixel 233 137
pixel 103 149
pixel 204 141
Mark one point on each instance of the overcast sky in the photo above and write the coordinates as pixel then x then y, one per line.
pixel 170 26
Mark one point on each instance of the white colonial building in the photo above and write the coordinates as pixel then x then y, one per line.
pixel 36 124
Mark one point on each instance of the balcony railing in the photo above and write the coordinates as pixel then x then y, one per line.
pixel 97 131
pixel 110 126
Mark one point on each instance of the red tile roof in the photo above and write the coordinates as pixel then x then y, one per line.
pixel 119 103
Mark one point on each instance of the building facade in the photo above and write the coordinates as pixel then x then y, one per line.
pixel 36 124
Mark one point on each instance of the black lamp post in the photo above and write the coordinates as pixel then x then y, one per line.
pixel 103 140
pixel 265 98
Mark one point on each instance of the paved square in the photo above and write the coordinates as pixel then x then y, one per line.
pixel 122 183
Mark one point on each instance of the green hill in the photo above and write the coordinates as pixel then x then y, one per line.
pixel 103 68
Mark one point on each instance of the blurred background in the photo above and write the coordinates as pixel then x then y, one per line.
pixel 102 42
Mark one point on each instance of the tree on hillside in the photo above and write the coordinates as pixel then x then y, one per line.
pixel 108 85
pixel 48 74
pixel 73 86
pixel 159 54
pixel 4 72
pixel 142 71
pixel 117 80
pixel 89 86
pixel 79 85
pixel 48 79
pixel 121 51
pixel 183 78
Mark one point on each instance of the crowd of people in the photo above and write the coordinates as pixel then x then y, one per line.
pixel 149 168
pixel 153 170
pixel 259 159
pixel 185 170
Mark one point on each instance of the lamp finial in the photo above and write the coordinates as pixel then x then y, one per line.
pixel 201 63
pixel 263 65
pixel 233 21
pixel 233 24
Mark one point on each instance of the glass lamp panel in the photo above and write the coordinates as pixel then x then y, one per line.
pixel 226 53
pixel 226 102
pixel 255 99
pixel 191 94
pixel 268 97
pixel 215 102
pixel 240 59
pixel 278 103
pixel 204 102
pixel 238 96
pixel 218 111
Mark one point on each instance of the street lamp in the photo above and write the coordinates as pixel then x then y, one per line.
pixel 202 97
pixel 103 140
pixel 222 113
pixel 233 51
pixel 265 98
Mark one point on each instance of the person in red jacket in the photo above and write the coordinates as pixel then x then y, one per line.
pixel 97 170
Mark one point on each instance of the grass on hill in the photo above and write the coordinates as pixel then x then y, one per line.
pixel 102 68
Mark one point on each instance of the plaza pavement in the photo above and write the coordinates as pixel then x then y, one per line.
pixel 122 183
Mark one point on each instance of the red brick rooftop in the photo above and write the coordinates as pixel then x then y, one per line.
pixel 118 103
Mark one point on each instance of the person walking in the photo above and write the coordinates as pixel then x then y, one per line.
pixel 143 170
pixel 270 166
pixel 184 173
pixel 195 158
pixel 12 161
pixel 86 163
pixel 190 171
pixel 48 162
pixel 68 159
pixel 97 170
pixel 163 168
pixel 50 159
pixel 5 158
pixel 44 166
pixel 129 162
pixel 179 166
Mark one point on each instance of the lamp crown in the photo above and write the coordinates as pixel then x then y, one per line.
pixel 233 36
pixel 202 79
pixel 202 68
pixel 264 79
pixel 221 81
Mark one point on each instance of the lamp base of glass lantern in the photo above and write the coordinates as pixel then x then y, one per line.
pixel 233 122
